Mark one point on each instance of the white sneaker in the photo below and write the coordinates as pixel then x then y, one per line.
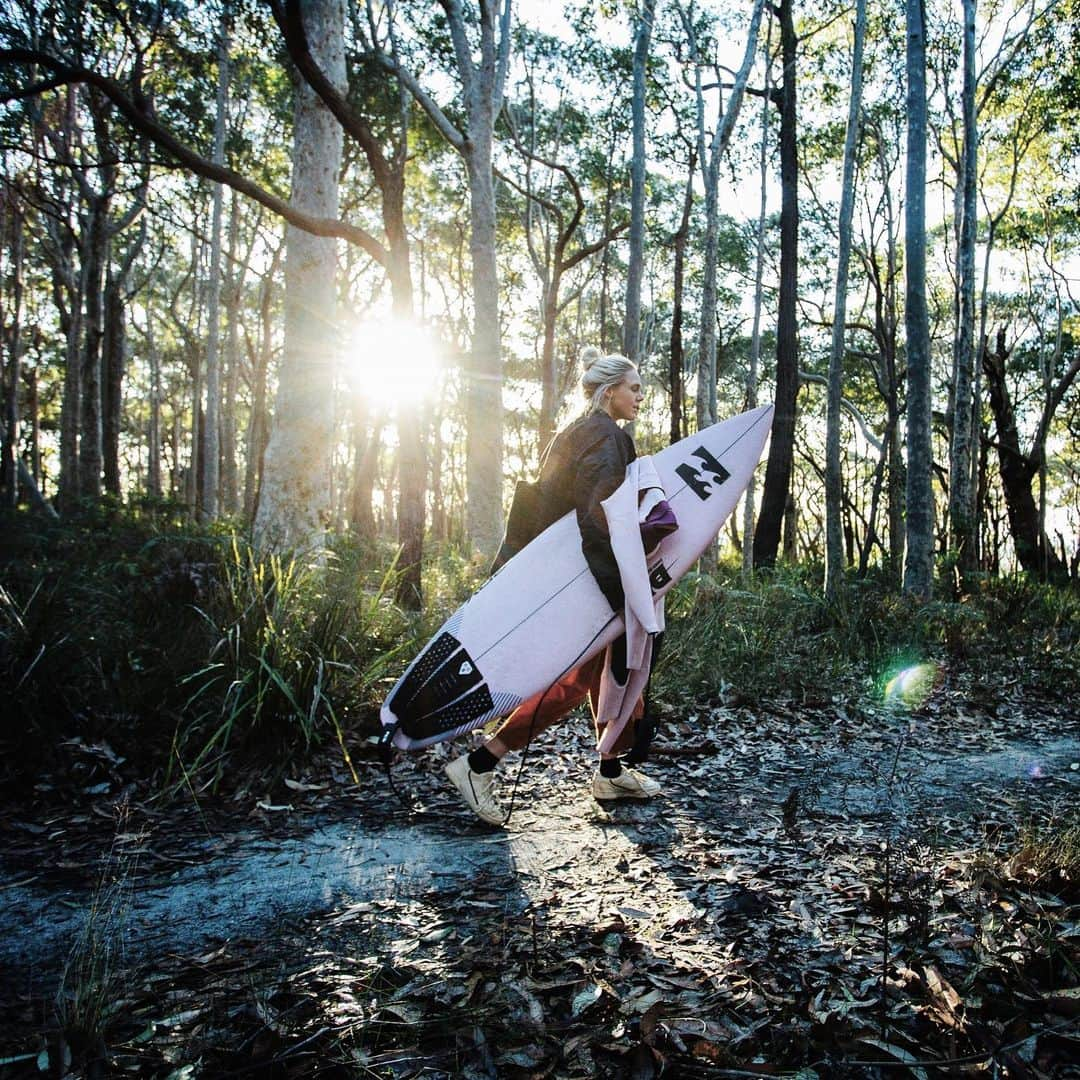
pixel 476 790
pixel 629 784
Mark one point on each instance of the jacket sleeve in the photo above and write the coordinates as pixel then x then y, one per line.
pixel 600 471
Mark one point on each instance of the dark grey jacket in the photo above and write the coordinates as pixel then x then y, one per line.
pixel 584 464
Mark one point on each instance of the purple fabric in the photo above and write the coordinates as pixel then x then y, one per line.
pixel 659 523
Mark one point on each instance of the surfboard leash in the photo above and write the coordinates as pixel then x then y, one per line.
pixel 532 723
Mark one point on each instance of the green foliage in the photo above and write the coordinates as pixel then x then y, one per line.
pixel 778 636
pixel 287 641
pixel 179 647
pixel 1049 854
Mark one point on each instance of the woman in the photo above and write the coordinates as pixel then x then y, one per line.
pixel 584 464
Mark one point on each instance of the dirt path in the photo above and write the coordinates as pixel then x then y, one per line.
pixel 740 919
pixel 747 785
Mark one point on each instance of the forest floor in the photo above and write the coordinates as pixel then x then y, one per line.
pixel 837 891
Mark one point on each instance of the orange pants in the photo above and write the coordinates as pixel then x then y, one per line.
pixel 550 706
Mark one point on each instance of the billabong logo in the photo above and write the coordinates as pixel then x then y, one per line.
pixel 703 488
pixel 465 669
pixel 659 577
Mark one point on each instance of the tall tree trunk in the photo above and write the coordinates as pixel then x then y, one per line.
pixel 211 461
pixel 33 411
pixel 113 364
pixel 153 435
pixel 759 284
pixel 9 474
pixel 259 424
pixel 90 434
pixel 782 445
pixel 635 269
pixel 675 366
pixel 919 560
pixel 71 321
pixel 294 498
pixel 229 493
pixel 961 517
pixel 484 450
pixel 834 488
pixel 710 166
pixel 1033 551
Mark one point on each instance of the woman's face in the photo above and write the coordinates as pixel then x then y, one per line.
pixel 621 402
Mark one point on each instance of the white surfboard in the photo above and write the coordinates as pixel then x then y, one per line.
pixel 543 614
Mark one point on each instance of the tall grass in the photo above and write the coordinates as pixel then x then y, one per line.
pixel 291 646
pixel 778 636
pixel 189 653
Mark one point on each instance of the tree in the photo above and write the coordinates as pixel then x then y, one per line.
pixel 295 498
pixel 834 552
pixel 776 490
pixel 961 524
pixel 211 459
pixel 919 560
pixel 482 84
pixel 644 15
pixel 710 166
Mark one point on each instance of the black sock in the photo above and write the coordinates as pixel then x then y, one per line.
pixel 610 767
pixel 482 760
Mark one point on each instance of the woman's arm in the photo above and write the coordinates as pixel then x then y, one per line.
pixel 601 469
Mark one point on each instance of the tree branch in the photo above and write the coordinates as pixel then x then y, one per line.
pixel 166 141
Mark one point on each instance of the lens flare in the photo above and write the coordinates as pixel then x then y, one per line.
pixel 912 686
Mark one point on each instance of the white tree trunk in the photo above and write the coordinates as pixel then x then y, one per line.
pixel 834 540
pixel 295 494
pixel 211 433
pixel 919 556
pixel 636 261
pixel 961 509
pixel 759 282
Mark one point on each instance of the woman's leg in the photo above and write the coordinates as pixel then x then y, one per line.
pixel 472 774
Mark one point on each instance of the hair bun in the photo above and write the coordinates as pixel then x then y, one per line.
pixel 589 355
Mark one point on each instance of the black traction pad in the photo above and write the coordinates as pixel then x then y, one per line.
pixel 444 690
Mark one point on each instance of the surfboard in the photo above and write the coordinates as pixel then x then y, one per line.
pixel 543 614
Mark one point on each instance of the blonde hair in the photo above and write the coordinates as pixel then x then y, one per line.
pixel 601 373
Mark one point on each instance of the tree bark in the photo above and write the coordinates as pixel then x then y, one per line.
pixel 961 516
pixel 211 460
pixel 9 473
pixel 834 488
pixel 782 445
pixel 636 261
pixel 90 434
pixel 229 492
pixel 1033 551
pixel 919 558
pixel 759 284
pixel 294 497
pixel 676 361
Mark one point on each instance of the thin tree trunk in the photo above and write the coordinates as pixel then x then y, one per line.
pixel 675 367
pixel 834 558
pixel 113 364
pixel 962 526
pixel 919 559
pixel 153 437
pixel 9 478
pixel 90 433
pixel 259 424
pixel 232 360
pixel 71 407
pixel 636 262
pixel 211 460
pixel 759 284
pixel 782 445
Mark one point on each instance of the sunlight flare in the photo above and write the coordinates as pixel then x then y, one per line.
pixel 392 361
pixel 913 685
